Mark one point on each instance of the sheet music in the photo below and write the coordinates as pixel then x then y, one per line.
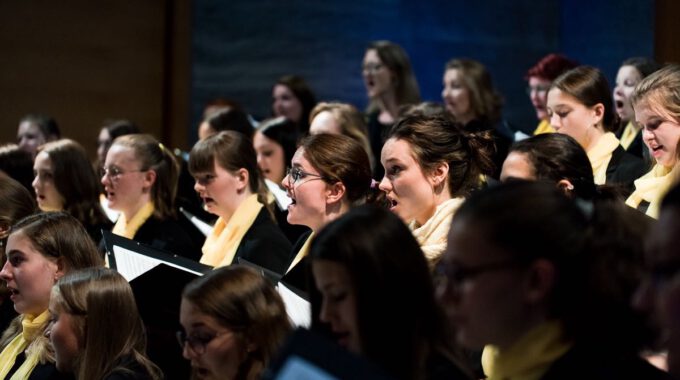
pixel 202 226
pixel 131 264
pixel 298 309
pixel 282 199
pixel 297 368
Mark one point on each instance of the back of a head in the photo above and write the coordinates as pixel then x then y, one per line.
pixel 18 164
pixel 550 67
pixel 245 302
pixel 16 202
pixel 395 58
pixel 589 86
pixel 341 159
pixel 75 180
pixel 387 270
pixel 436 139
pixel 231 119
pixel 660 91
pixel 117 128
pixel 153 155
pixel 485 101
pixel 555 157
pixel 59 235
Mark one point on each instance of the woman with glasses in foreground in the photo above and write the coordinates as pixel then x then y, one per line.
pixel 140 180
pixel 550 307
pixel 233 322
pixel 329 175
pixel 229 182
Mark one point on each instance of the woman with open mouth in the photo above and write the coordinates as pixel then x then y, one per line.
pixel 390 84
pixel 657 109
pixel 293 99
pixel 431 165
pixel 631 72
pixel 580 105
pixel 140 180
pixel 229 183
pixel 366 267
pixel 329 175
pixel 41 248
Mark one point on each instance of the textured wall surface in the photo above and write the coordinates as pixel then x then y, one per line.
pixel 240 48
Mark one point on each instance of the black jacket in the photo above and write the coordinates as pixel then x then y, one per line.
pixel 624 168
pixel 265 245
pixel 168 235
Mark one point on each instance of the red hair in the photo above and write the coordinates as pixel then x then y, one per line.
pixel 550 67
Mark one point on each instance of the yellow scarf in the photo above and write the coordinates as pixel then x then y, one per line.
pixel 530 357
pixel 651 187
pixel 628 135
pixel 129 229
pixel 432 235
pixel 544 127
pixel 302 252
pixel 220 246
pixel 600 155
pixel 31 328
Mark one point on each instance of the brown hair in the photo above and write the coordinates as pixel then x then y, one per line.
pixel 16 203
pixel 106 320
pixel 242 300
pixel 297 85
pixel 661 90
pixel 152 155
pixel 75 181
pixel 350 121
pixel 339 158
pixel 485 101
pixel 395 58
pixel 589 86
pixel 436 139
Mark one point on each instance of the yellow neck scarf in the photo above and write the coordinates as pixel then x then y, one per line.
pixel 651 187
pixel 544 127
pixel 31 328
pixel 220 246
pixel 530 357
pixel 129 229
pixel 432 235
pixel 302 252
pixel 600 155
pixel 628 135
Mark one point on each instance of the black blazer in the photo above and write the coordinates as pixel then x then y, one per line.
pixel 637 148
pixel 168 235
pixel 624 168
pixel 265 245
pixel 298 277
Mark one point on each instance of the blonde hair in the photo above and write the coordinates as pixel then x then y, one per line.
pixel 661 91
pixel 106 321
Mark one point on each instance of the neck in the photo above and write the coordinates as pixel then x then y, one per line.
pixel 333 211
pixel 236 202
pixel 387 103
pixel 523 327
pixel 439 197
pixel 131 211
pixel 595 135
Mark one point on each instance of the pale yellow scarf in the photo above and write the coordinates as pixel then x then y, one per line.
pixel 600 155
pixel 129 229
pixel 432 235
pixel 652 187
pixel 220 246
pixel 628 135
pixel 31 328
pixel 544 127
pixel 530 357
pixel 304 251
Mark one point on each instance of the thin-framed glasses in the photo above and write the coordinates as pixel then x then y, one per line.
pixel 456 274
pixel 372 67
pixel 296 174
pixel 198 342
pixel 114 172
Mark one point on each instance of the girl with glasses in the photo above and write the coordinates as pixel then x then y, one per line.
pixel 233 323
pixel 231 186
pixel 96 330
pixel 140 180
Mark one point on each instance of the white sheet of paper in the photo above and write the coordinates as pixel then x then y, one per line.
pixel 131 264
pixel 298 309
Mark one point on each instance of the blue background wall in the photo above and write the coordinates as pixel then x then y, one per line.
pixel 240 48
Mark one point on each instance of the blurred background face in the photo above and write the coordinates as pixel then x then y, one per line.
pixel 571 117
pixel 456 96
pixel 377 76
pixel 205 130
pixel 286 104
pixel 660 132
pixel 270 157
pixel 30 137
pixel 538 94
pixel 517 166
pixel 481 291
pixel 103 145
pixel 626 80
pixel 46 192
pixel 64 338
pixel 324 122
pixel 338 304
